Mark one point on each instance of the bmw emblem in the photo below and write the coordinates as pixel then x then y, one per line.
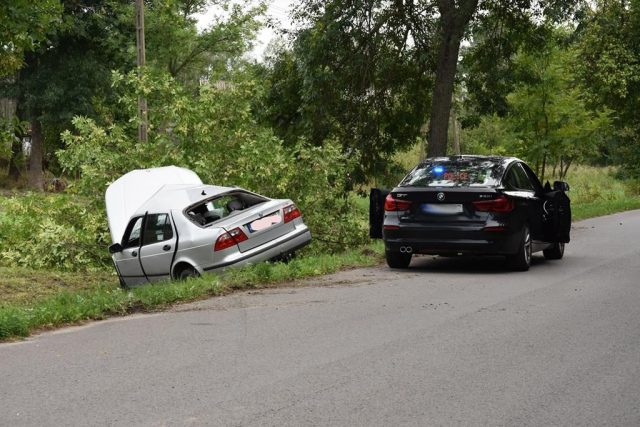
pixel 440 197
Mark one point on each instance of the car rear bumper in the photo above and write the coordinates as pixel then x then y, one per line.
pixel 288 243
pixel 439 240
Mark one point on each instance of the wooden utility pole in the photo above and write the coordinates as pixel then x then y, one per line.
pixel 142 102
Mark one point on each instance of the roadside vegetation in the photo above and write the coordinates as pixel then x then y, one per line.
pixel 74 299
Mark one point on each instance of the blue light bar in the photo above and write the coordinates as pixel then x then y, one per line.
pixel 438 169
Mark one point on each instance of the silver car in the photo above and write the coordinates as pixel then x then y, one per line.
pixel 166 224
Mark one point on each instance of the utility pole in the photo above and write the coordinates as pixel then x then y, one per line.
pixel 142 102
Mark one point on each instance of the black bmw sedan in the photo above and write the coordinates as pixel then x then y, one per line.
pixel 476 205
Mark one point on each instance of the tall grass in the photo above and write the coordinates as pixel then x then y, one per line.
pixel 597 191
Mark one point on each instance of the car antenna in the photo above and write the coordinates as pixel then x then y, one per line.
pixel 203 193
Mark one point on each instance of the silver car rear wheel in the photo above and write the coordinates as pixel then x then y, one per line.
pixel 187 272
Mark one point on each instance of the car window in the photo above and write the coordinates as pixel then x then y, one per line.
pixel 131 237
pixel 517 179
pixel 157 229
pixel 217 209
pixel 455 173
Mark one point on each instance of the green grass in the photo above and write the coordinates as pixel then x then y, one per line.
pixel 77 302
pixel 595 191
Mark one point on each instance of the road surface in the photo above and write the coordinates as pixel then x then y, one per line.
pixel 448 342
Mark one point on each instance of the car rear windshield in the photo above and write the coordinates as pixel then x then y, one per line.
pixel 219 207
pixel 455 173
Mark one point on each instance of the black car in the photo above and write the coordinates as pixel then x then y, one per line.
pixel 480 205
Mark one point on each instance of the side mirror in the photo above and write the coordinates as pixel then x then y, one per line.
pixel 115 248
pixel 560 186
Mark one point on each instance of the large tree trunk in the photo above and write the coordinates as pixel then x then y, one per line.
pixel 453 22
pixel 36 176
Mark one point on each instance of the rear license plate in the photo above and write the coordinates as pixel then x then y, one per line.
pixel 442 209
pixel 265 222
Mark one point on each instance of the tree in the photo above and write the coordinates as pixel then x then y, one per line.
pixel 68 73
pixel 24 25
pixel 453 22
pixel 343 61
pixel 608 45
pixel 175 44
pixel 548 112
pixel 357 72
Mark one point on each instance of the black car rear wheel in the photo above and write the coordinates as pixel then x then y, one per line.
pixel 556 251
pixel 398 259
pixel 521 260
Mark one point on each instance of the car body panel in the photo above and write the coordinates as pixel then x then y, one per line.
pixel 125 195
pixel 444 219
pixel 162 236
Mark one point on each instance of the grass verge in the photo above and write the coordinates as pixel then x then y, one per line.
pixel 20 318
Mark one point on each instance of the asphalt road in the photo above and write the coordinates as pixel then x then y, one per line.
pixel 449 342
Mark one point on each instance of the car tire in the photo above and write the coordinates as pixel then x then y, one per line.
pixel 398 259
pixel 187 272
pixel 556 251
pixel 521 260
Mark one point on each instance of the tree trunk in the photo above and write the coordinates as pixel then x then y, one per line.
pixel 16 158
pixel 453 22
pixel 455 131
pixel 36 176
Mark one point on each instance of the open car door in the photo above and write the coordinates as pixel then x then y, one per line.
pixel 557 216
pixel 376 212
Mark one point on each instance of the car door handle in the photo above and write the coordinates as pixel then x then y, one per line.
pixel 134 253
pixel 166 247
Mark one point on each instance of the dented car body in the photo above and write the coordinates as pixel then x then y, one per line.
pixel 165 223
pixel 476 205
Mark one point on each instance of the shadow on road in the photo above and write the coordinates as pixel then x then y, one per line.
pixel 466 264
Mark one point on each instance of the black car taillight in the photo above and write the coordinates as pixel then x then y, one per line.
pixel 501 204
pixel 229 239
pixel 392 205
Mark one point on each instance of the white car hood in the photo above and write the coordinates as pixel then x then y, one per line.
pixel 129 192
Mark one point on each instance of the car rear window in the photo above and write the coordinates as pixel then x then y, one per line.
pixel 455 173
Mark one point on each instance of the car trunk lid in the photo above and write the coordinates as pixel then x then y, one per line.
pixel 260 224
pixel 445 206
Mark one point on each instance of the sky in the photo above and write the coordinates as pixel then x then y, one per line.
pixel 278 10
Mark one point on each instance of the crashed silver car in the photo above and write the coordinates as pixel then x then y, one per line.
pixel 165 223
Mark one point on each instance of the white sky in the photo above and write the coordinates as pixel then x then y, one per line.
pixel 278 11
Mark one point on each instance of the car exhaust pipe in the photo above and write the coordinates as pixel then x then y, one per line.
pixel 406 249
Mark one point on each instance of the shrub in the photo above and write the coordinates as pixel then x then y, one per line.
pixel 52 231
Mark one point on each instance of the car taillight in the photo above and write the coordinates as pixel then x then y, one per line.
pixel 391 204
pixel 291 212
pixel 229 239
pixel 500 204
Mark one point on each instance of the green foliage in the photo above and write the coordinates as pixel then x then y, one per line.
pixel 24 24
pixel 174 43
pixel 609 72
pixel 492 136
pixel 547 121
pixel 58 232
pixel 358 73
pixel 215 134
pixel 549 113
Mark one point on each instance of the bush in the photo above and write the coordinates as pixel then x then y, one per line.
pixel 53 231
